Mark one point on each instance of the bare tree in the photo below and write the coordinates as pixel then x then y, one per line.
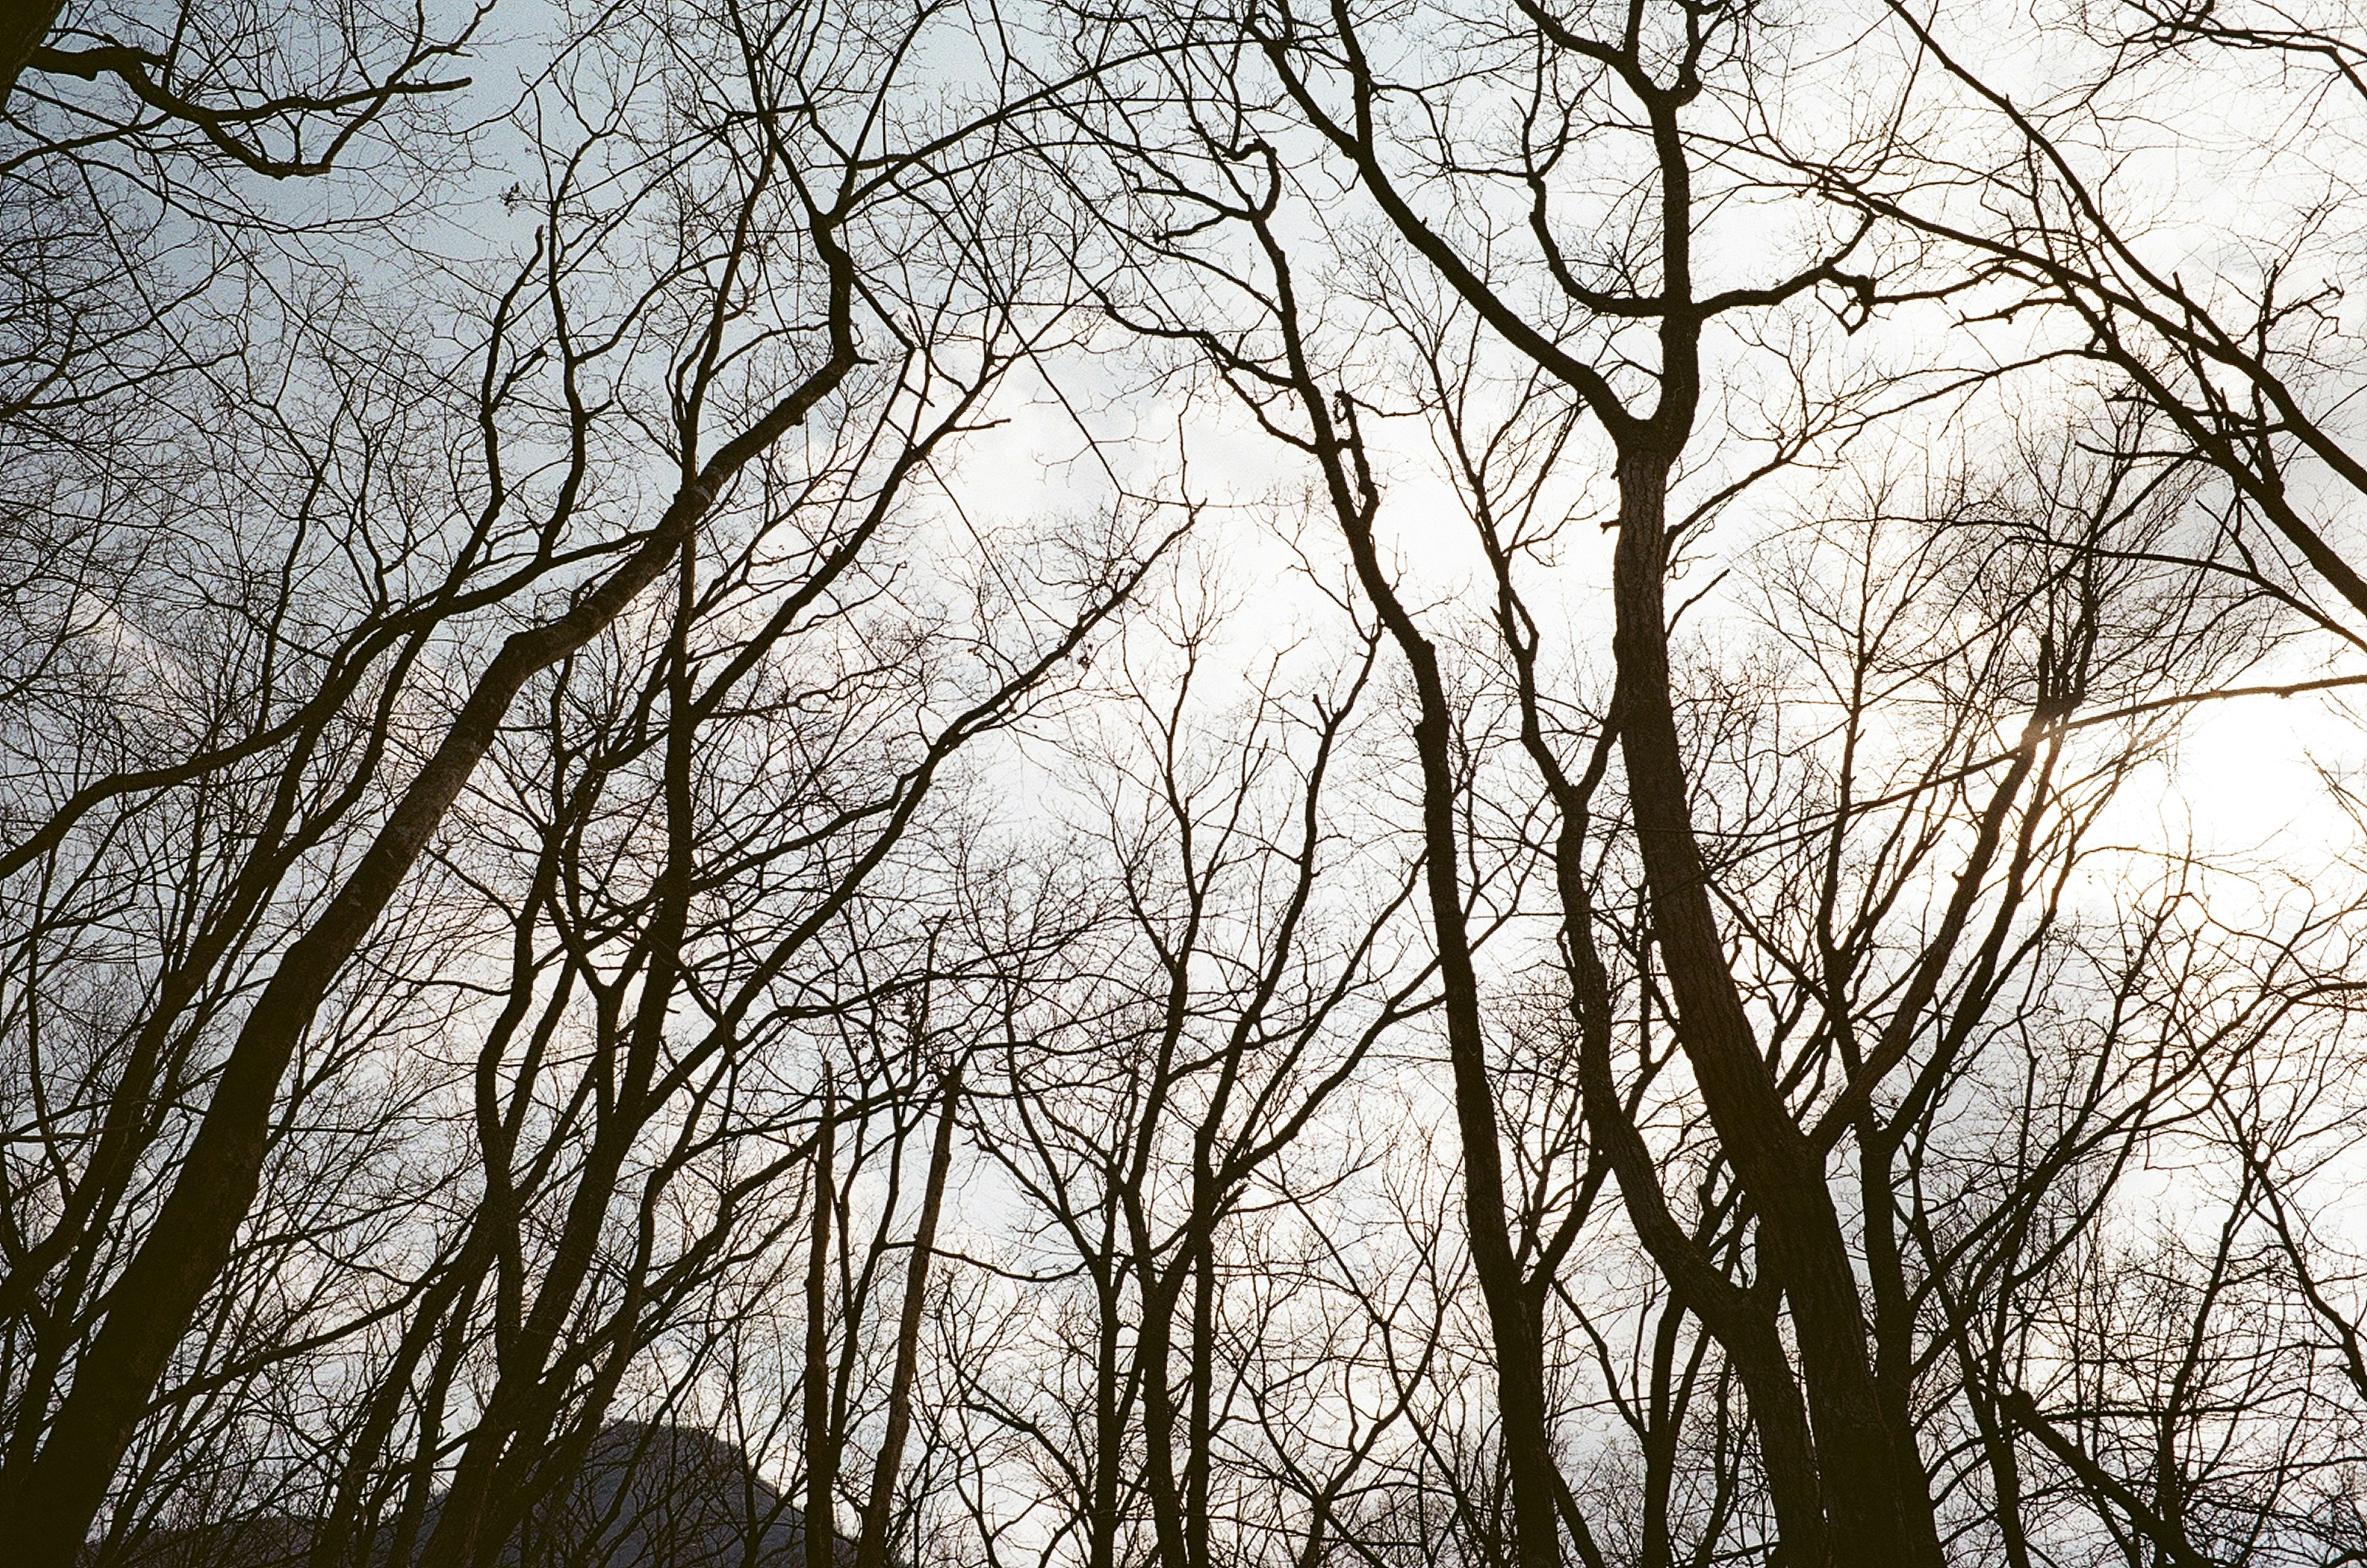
pixel 742 186
pixel 648 916
pixel 2094 619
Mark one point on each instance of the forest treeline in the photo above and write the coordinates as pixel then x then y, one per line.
pixel 1259 783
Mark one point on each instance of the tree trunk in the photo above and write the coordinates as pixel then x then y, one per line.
pixel 22 28
pixel 871 1550
pixel 822 1471
pixel 1775 1161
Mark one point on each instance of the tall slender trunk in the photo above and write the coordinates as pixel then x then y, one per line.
pixel 1154 1351
pixel 1514 1329
pixel 1739 1320
pixel 1776 1163
pixel 1514 1325
pixel 1199 1441
pixel 1658 1550
pixel 822 1467
pixel 1893 1338
pixel 1109 1423
pixel 871 1549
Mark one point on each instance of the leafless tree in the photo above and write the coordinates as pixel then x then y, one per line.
pixel 760 195
pixel 639 924
pixel 1920 904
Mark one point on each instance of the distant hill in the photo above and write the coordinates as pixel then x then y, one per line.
pixel 646 1497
